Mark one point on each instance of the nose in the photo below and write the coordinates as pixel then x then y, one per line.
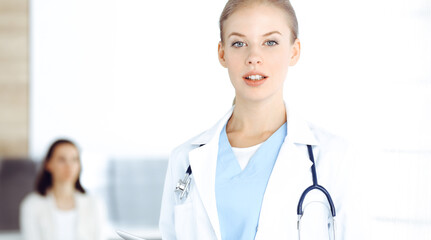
pixel 254 58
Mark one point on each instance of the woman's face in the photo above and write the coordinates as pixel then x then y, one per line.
pixel 64 164
pixel 257 51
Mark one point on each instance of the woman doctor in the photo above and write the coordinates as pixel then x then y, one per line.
pixel 249 170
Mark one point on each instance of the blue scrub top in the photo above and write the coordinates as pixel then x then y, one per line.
pixel 239 193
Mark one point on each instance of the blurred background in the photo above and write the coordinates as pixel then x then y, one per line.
pixel 129 80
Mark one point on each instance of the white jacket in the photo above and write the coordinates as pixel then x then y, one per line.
pixel 37 219
pixel 196 216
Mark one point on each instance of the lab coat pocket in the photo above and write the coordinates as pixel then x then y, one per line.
pixel 184 221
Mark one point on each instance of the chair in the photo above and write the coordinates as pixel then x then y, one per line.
pixel 17 178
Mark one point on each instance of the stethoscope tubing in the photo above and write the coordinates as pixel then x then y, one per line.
pixel 183 186
pixel 316 186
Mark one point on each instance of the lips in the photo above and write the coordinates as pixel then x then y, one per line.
pixel 254 78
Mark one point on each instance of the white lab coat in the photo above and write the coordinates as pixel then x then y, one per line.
pixel 196 216
pixel 37 220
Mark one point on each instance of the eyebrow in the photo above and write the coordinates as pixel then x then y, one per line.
pixel 236 34
pixel 273 32
pixel 264 35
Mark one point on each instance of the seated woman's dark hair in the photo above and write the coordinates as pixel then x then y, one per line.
pixel 44 178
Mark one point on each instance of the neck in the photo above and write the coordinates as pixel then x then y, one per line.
pixel 64 194
pixel 63 190
pixel 254 122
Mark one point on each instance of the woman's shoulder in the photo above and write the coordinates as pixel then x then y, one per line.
pixel 327 137
pixel 188 145
pixel 87 198
pixel 201 138
pixel 34 197
pixel 91 206
pixel 33 200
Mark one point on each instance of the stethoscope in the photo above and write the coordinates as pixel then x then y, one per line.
pixel 183 187
pixel 316 186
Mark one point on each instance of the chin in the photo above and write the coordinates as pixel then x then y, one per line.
pixel 71 180
pixel 255 96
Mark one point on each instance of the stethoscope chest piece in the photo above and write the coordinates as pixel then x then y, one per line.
pixel 183 188
pixel 183 185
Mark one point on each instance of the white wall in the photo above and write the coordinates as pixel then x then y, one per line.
pixel 125 77
pixel 136 78
pixel 110 72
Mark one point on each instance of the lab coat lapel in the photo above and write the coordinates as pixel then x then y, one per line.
pixel 47 220
pixel 82 216
pixel 290 176
pixel 203 161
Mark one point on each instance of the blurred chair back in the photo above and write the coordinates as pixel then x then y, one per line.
pixel 135 192
pixel 17 179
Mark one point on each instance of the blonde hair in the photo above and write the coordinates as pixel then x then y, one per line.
pixel 233 5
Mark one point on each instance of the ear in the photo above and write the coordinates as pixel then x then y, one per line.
pixel 221 54
pixel 296 52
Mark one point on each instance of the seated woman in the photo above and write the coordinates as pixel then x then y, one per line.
pixel 60 208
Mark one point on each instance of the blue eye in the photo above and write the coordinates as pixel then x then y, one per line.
pixel 238 44
pixel 271 43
